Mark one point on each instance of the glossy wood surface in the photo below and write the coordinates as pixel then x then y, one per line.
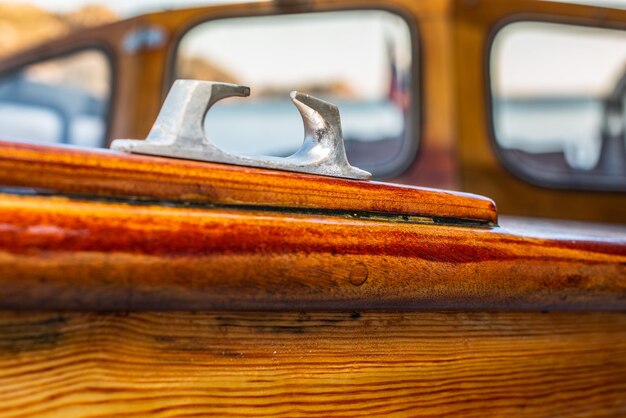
pixel 151 252
pixel 113 174
pixel 313 364
pixel 57 253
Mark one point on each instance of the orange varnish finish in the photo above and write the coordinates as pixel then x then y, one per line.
pixel 115 174
pixel 218 364
pixel 57 253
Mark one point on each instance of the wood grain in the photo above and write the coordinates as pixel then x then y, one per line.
pixel 57 253
pixel 115 174
pixel 312 364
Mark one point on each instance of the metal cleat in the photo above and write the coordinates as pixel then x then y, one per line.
pixel 179 133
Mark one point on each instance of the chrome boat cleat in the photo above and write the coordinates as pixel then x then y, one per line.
pixel 179 133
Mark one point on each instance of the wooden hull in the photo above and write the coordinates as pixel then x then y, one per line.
pixel 349 323
pixel 312 364
pixel 59 253
pixel 154 287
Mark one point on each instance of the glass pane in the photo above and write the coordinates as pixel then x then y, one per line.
pixel 60 100
pixel 358 60
pixel 558 103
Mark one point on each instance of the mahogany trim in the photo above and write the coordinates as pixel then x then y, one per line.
pixel 110 174
pixel 59 253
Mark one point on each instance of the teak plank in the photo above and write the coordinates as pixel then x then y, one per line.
pixel 58 253
pixel 112 174
pixel 313 364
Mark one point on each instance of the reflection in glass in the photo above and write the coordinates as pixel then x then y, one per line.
pixel 358 60
pixel 62 100
pixel 558 94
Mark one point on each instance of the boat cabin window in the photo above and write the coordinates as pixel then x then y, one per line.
pixel 62 100
pixel 360 60
pixel 558 104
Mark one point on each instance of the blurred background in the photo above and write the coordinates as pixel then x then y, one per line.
pixel 362 64
pixel 557 90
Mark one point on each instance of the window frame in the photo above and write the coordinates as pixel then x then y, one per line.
pixel 503 160
pixel 110 59
pixel 410 148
